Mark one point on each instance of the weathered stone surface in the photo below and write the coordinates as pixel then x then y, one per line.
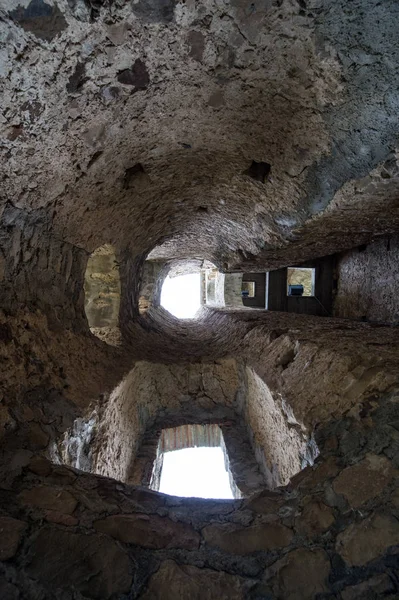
pixel 238 540
pixel 47 497
pixel 174 581
pixel 53 516
pixel 11 531
pixel 40 465
pixel 149 531
pixel 316 518
pixel 265 503
pixel 362 542
pixel 8 591
pixel 364 480
pixel 43 20
pixel 373 589
pixel 317 475
pixel 92 564
pixel 300 574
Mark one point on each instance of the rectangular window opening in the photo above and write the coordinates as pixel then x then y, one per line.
pixel 192 462
pixel 300 281
pixel 248 289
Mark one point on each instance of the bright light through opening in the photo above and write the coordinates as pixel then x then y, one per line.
pixel 195 472
pixel 181 295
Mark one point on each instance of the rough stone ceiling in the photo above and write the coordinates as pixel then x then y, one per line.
pixel 134 123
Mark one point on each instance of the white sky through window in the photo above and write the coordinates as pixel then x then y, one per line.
pixel 195 472
pixel 181 295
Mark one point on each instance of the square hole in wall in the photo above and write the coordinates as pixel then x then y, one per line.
pixel 300 281
pixel 248 289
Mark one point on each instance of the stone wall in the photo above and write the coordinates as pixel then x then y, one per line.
pixel 39 270
pixel 232 290
pixel 332 532
pixel 102 289
pixel 368 282
pixel 278 439
pixel 264 442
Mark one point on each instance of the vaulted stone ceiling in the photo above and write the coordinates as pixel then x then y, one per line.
pixel 251 135
pixel 136 123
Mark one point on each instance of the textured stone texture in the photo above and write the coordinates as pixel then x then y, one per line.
pixel 364 541
pixel 302 573
pixel 251 135
pixel 376 587
pixel 173 581
pixel 365 480
pixel 50 498
pixel 316 518
pixel 367 280
pixel 277 544
pixel 250 539
pixel 93 565
pixel 155 532
pixel 11 531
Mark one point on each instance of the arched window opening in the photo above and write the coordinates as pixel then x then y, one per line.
pixel 192 462
pixel 102 294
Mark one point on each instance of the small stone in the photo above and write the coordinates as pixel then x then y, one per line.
pixel 149 531
pixel 301 574
pixel 376 587
pixel 365 480
pixel 49 498
pixel 173 581
pixel 239 540
pixel 11 531
pixel 316 518
pixel 362 542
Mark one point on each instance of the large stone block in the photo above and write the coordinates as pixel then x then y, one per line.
pixel 300 575
pixel 362 542
pixel 11 531
pixel 316 518
pixel 239 540
pixel 364 480
pixel 50 498
pixel 150 531
pixel 94 565
pixel 376 587
pixel 174 582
